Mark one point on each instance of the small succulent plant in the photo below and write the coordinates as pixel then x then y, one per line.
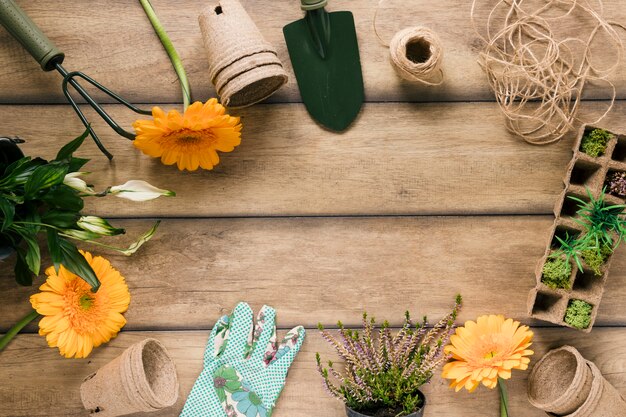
pixel 578 314
pixel 595 142
pixel 383 372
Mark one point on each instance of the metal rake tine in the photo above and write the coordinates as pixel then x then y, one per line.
pixel 108 92
pixel 69 78
pixel 87 125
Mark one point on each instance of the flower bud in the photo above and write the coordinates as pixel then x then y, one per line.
pixel 137 190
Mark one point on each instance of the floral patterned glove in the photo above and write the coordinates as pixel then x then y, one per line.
pixel 244 368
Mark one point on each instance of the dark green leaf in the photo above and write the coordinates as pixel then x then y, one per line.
pixel 19 172
pixel 23 275
pixel 67 151
pixel 33 255
pixel 64 198
pixel 54 248
pixel 17 165
pixel 60 218
pixel 45 177
pixel 77 163
pixel 72 259
pixel 8 211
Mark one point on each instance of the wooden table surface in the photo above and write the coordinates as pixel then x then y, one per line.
pixel 426 196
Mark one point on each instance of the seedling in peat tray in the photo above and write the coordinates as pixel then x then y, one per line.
pixel 556 273
pixel 571 247
pixel 578 314
pixel 594 143
pixel 595 258
pixel 604 224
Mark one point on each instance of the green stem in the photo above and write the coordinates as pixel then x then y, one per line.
pixel 504 398
pixel 4 340
pixel 169 48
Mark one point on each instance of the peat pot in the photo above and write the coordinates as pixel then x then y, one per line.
pixel 419 413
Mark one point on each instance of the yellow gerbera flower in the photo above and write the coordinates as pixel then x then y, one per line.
pixel 75 319
pixel 486 350
pixel 190 140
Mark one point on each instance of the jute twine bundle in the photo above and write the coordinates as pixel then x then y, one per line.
pixel 243 66
pixel 538 80
pixel 142 379
pixel 415 53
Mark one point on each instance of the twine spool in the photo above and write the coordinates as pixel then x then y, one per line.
pixel 142 379
pixel 416 55
pixel 243 66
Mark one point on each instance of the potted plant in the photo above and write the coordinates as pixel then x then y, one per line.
pixel 383 372
pixel 39 197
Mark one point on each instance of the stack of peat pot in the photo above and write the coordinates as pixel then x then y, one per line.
pixel 585 173
pixel 243 66
pixel 563 383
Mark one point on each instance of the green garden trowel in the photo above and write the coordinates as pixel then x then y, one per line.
pixel 325 55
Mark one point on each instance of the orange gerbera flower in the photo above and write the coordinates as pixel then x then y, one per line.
pixel 486 350
pixel 75 319
pixel 190 140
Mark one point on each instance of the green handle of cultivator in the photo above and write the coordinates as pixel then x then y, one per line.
pixel 27 33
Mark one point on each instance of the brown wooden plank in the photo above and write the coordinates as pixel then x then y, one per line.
pixel 329 269
pixel 397 159
pixel 55 389
pixel 113 41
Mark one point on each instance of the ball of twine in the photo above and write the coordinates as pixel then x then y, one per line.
pixel 416 55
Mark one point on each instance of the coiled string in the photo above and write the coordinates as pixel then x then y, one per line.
pixel 538 80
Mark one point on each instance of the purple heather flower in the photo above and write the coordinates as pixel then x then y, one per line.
pixel 617 183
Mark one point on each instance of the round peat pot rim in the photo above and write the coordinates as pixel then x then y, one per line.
pixel 157 374
pixel 419 413
pixel 557 381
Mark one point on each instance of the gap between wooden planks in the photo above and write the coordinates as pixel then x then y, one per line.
pixel 55 389
pixel 113 41
pixel 328 269
pixel 398 159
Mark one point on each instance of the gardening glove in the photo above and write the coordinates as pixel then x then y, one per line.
pixel 244 368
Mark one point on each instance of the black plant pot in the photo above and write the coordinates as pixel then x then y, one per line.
pixel 9 153
pixel 419 413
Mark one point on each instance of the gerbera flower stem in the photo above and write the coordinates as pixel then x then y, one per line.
pixel 4 340
pixel 504 398
pixel 171 51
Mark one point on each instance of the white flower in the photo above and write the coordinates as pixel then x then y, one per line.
pixel 136 190
pixel 98 226
pixel 72 180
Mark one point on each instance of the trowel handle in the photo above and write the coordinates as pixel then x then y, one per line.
pixel 22 28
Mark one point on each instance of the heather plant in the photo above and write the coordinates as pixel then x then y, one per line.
pixel 595 142
pixel 383 372
pixel 616 183
pixel 578 314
